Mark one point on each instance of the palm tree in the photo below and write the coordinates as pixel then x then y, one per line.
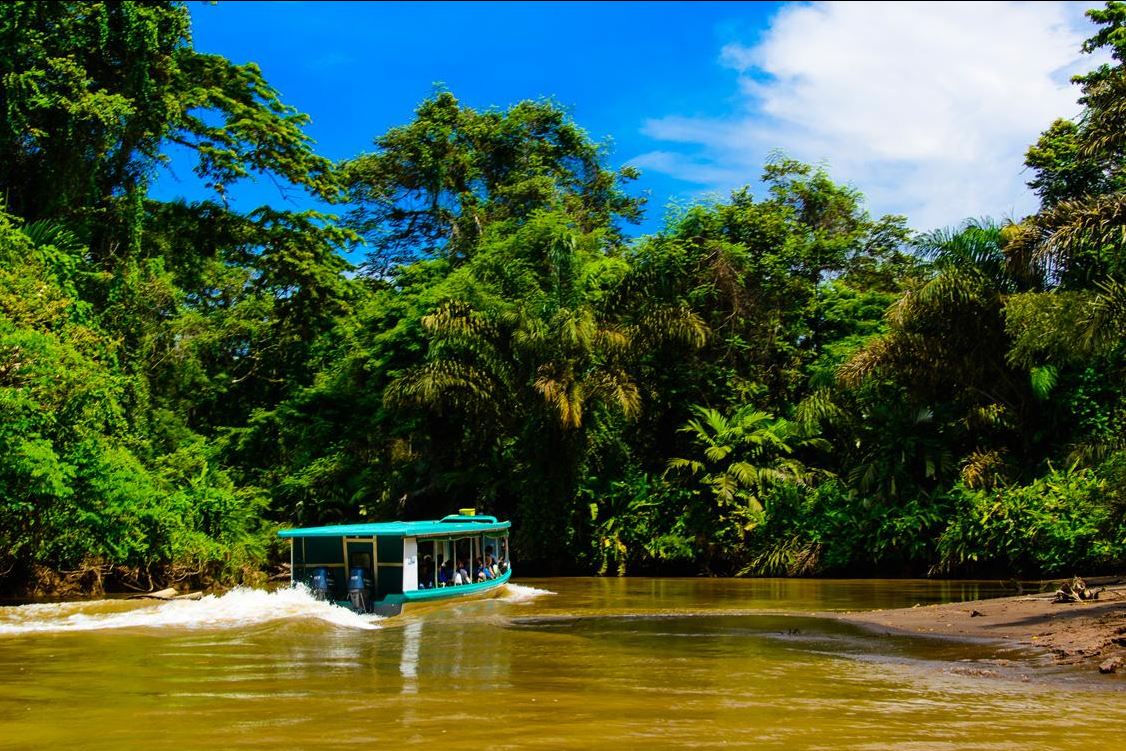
pixel 899 448
pixel 742 457
pixel 497 365
pixel 948 344
pixel 1106 316
pixel 524 361
pixel 1081 238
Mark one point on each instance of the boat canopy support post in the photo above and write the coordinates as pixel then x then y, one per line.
pixel 410 564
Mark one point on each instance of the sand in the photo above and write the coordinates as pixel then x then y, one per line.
pixel 1091 633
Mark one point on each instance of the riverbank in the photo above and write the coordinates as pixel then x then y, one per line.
pixel 1091 633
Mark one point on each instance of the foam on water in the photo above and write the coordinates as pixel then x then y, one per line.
pixel 238 608
pixel 518 593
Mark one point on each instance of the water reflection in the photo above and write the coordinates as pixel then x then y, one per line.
pixel 463 647
pixel 408 666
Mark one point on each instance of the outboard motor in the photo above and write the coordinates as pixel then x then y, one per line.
pixel 321 583
pixel 359 589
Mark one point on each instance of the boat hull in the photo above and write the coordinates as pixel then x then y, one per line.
pixel 393 605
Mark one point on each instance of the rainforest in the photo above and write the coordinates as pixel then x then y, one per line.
pixel 775 382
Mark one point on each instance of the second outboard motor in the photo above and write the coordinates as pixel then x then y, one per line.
pixel 321 583
pixel 359 589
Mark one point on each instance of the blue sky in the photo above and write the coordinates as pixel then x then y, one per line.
pixel 360 68
pixel 925 107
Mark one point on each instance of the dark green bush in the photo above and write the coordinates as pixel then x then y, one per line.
pixel 1068 521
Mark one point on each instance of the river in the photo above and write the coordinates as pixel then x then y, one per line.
pixel 547 664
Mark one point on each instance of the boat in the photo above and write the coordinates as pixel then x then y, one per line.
pixel 383 567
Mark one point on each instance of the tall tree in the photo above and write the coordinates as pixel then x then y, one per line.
pixel 523 351
pixel 92 92
pixel 433 186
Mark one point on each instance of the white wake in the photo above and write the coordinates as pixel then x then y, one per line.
pixel 518 593
pixel 238 608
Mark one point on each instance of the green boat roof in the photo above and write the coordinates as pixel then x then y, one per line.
pixel 448 525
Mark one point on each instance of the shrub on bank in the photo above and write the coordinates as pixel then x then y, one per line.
pixel 1066 522
pixel 829 529
pixel 1069 521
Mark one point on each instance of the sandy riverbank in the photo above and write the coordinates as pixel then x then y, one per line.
pixel 1092 632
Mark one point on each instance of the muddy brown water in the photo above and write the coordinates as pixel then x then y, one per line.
pixel 546 664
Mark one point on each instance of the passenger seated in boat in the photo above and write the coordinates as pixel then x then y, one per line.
pixel 461 576
pixel 483 572
pixel 446 574
pixel 426 573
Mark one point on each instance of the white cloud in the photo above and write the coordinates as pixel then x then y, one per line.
pixel 928 108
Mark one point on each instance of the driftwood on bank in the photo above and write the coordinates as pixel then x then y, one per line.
pixel 160 594
pixel 166 594
pixel 1076 590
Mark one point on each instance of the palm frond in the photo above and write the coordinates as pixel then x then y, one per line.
pixel 559 389
pixel 1104 126
pixel 1043 379
pixel 984 469
pixel 1087 222
pixel 716 453
pixel 615 387
pixel 1105 321
pixel 44 232
pixel 744 474
pixel 870 358
pixel 676 324
pixel 693 467
pixel 456 318
pixel 713 422
pixel 818 408
pixel 445 383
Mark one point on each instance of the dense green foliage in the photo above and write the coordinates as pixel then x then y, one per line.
pixel 777 383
